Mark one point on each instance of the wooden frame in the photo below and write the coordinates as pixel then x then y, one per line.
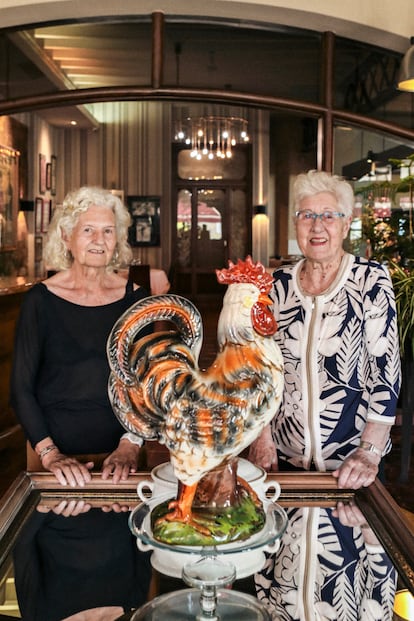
pixel 38 247
pixel 145 214
pixel 46 212
pixel 42 173
pixel 53 166
pixel 38 214
pixel 9 199
pixel 298 489
pixel 48 175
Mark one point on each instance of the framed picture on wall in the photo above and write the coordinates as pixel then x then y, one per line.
pixel 38 214
pixel 9 196
pixel 145 214
pixel 42 173
pixel 38 248
pixel 47 209
pixel 53 164
pixel 48 175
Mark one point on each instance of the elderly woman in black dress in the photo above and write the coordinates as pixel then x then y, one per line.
pixel 60 372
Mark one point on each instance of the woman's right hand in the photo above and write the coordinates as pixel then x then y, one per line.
pixel 67 470
pixel 262 452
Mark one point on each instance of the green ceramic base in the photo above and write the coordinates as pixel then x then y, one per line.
pixel 225 525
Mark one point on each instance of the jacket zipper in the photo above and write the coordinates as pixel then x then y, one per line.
pixel 309 380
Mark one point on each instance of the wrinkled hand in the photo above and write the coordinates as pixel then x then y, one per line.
pixel 262 451
pixel 66 508
pixel 70 507
pixel 116 507
pixel 67 470
pixel 358 470
pixel 350 515
pixel 121 462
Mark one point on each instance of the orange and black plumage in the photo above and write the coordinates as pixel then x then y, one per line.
pixel 204 417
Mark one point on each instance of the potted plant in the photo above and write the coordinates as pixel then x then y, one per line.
pixel 403 282
pixel 389 239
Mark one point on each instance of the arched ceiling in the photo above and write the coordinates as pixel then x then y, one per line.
pixel 386 24
pixel 115 50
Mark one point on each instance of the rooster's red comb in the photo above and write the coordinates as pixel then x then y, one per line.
pixel 246 271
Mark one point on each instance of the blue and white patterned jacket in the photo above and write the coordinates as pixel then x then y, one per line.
pixel 342 362
pixel 325 571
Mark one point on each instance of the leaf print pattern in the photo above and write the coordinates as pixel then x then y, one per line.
pixel 348 582
pixel 348 360
pixel 354 356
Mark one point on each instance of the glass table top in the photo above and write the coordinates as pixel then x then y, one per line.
pixel 73 550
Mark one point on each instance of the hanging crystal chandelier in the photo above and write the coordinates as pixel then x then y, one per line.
pixel 211 136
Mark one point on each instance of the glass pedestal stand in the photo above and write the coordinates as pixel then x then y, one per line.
pixel 208 574
pixel 213 569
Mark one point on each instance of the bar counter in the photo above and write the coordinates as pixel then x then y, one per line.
pixel 12 292
pixel 16 284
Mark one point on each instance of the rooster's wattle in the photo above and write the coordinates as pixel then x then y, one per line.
pixel 204 417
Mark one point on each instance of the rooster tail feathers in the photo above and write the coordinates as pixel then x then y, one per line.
pixel 142 425
pixel 149 374
pixel 180 311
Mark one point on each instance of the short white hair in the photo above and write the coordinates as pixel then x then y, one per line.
pixel 313 182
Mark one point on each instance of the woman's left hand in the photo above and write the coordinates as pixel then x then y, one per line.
pixel 358 470
pixel 121 462
pixel 350 515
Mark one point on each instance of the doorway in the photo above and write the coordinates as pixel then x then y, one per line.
pixel 213 219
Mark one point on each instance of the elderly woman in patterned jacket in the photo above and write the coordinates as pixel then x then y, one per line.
pixel 339 340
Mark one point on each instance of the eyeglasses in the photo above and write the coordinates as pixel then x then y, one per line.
pixel 327 217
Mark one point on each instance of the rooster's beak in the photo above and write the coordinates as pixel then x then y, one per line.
pixel 265 299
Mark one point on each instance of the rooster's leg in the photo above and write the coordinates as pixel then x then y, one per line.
pixel 250 491
pixel 180 510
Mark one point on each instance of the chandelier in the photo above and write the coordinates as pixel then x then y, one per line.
pixel 211 136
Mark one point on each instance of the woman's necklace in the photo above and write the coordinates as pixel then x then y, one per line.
pixel 317 278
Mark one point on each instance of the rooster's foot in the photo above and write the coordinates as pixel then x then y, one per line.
pixel 177 514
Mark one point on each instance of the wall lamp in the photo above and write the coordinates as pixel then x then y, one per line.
pixel 260 235
pixel 405 80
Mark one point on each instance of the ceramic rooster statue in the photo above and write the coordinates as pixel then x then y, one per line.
pixel 204 417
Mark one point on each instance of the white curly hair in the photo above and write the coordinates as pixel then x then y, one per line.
pixel 66 216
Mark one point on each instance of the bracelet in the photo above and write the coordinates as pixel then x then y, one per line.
pixel 46 450
pixel 133 438
pixel 371 448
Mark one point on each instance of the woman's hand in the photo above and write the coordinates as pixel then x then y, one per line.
pixel 71 507
pixel 350 515
pixel 66 508
pixel 121 462
pixel 358 470
pixel 262 451
pixel 67 470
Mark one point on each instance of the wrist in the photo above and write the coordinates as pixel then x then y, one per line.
pixel 132 439
pixel 370 448
pixel 46 450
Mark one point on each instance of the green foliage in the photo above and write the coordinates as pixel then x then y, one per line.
pixel 390 238
pixel 235 523
pixel 391 241
pixel 403 281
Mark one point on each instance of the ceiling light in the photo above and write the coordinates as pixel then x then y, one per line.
pixel 211 136
pixel 406 75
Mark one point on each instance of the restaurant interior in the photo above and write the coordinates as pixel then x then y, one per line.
pixel 199 119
